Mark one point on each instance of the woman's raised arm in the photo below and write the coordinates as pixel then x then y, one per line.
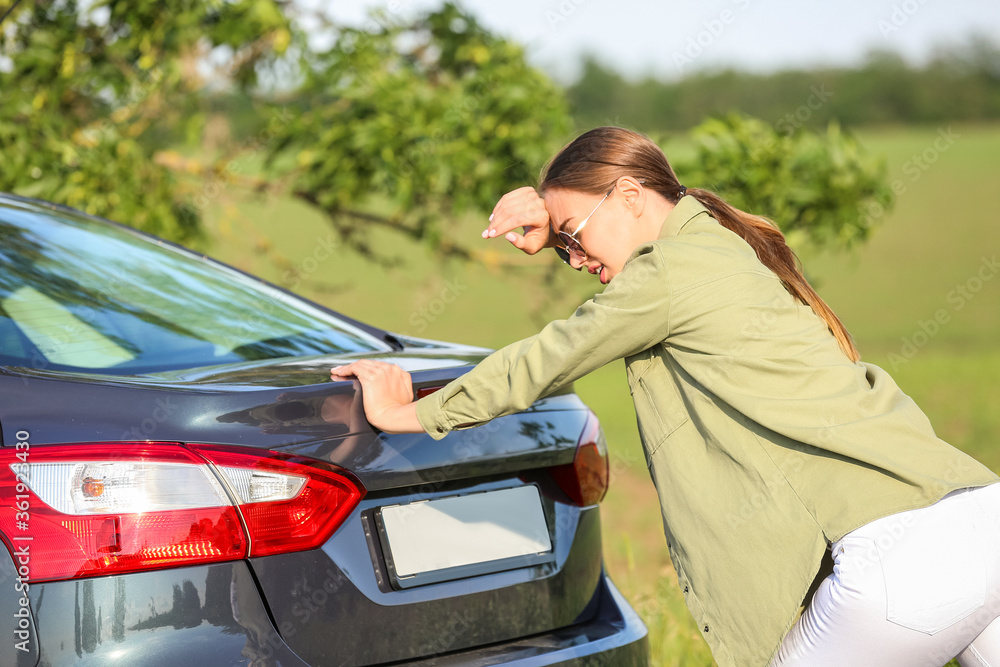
pixel 524 208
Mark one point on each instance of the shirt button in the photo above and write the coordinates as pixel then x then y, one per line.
pixel 685 589
pixel 706 628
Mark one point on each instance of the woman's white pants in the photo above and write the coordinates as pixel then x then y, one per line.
pixel 913 589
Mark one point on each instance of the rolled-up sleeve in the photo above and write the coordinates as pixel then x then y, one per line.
pixel 629 316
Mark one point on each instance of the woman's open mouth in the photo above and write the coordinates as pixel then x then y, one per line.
pixel 601 272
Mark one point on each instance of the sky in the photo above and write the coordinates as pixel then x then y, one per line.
pixel 671 38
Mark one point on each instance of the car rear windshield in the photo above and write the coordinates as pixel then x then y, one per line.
pixel 78 294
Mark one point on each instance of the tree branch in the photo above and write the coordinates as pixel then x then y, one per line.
pixel 447 249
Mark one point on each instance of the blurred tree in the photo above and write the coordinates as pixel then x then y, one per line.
pixel 823 190
pixel 437 116
pixel 395 125
pixel 82 83
pixel 959 82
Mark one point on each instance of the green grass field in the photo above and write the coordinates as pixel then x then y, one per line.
pixel 922 299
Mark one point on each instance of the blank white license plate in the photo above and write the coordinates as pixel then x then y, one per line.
pixel 458 536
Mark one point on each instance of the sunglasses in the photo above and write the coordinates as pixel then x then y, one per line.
pixel 570 246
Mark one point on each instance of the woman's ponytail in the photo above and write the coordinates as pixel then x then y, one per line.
pixel 769 243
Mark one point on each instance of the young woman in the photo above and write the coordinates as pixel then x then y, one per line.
pixel 767 438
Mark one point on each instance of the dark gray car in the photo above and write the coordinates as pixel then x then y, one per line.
pixel 182 484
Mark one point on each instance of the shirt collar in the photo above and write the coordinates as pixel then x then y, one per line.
pixel 686 210
pixel 682 213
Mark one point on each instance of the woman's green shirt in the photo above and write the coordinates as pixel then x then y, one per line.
pixel 765 442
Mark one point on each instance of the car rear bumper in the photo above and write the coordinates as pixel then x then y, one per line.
pixel 89 623
pixel 615 636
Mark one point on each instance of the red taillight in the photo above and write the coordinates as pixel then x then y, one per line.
pixel 282 524
pixel 427 391
pixel 585 480
pixel 70 511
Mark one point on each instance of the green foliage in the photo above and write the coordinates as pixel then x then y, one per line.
pixel 82 82
pixel 431 117
pixel 446 123
pixel 960 83
pixel 817 187
pixel 398 125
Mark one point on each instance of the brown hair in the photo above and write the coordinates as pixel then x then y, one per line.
pixel 593 161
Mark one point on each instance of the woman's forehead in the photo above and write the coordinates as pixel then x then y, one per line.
pixel 560 208
pixel 565 200
pixel 565 205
